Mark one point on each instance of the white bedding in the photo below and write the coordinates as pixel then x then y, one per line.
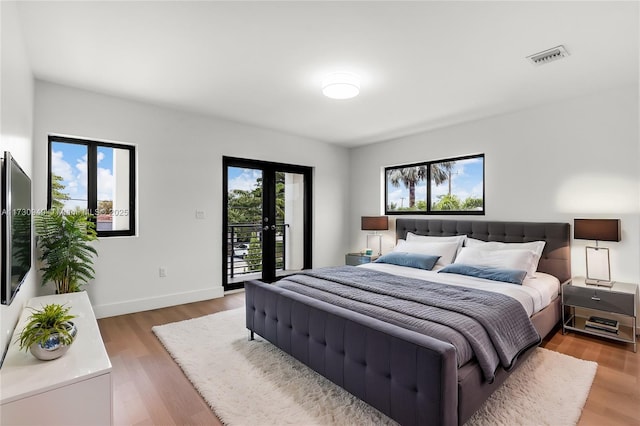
pixel 534 294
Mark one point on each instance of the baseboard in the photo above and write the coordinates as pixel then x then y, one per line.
pixel 146 304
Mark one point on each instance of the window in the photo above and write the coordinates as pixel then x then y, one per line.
pixel 95 176
pixel 449 186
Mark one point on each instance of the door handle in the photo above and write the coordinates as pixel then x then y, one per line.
pixel 596 298
pixel 266 228
pixel 273 227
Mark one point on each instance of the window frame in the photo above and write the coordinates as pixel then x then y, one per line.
pixel 428 210
pixel 92 179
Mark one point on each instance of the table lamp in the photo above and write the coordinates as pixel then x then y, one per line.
pixel 375 223
pixel 598 263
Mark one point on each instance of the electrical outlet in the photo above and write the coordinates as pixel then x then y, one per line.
pixel 162 272
pixel 200 214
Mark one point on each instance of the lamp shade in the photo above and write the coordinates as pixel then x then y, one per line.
pixel 375 223
pixel 596 229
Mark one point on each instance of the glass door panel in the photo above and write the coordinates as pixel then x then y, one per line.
pixel 244 224
pixel 290 222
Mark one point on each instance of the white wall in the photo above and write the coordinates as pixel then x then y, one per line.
pixel 180 170
pixel 575 159
pixel 16 117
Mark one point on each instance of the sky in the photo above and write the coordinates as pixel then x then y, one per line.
pixel 466 182
pixel 70 162
pixel 241 178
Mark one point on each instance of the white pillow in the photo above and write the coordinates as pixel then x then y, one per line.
pixel 446 251
pixel 472 242
pixel 522 260
pixel 435 239
pixel 535 246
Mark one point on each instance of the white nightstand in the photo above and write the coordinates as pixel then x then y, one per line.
pixel 620 299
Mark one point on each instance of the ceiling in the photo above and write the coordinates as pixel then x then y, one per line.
pixel 423 65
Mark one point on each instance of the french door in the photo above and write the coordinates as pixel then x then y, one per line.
pixel 266 220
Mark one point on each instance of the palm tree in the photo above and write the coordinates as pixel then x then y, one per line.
pixel 67 256
pixel 441 172
pixel 409 176
pixel 58 196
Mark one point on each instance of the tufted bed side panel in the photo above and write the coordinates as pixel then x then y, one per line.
pixel 410 377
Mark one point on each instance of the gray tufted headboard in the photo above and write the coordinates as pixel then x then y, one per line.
pixel 556 257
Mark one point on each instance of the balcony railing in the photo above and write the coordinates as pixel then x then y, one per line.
pixel 244 248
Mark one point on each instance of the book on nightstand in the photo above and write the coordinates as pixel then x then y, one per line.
pixel 602 324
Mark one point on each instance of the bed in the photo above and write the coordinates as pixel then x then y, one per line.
pixel 409 376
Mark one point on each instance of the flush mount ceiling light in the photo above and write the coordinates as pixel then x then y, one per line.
pixel 341 85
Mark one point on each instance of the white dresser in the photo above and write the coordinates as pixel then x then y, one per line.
pixel 74 389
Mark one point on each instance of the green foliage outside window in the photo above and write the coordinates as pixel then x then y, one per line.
pixel 447 202
pixel 254 255
pixel 58 196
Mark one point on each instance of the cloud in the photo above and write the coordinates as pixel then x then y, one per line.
pixel 60 167
pixel 477 191
pixel 106 180
pixel 246 181
pixel 439 190
pixel 397 196
pixel 74 179
pixel 106 184
pixel 81 178
pixel 458 169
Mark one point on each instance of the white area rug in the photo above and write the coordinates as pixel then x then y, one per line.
pixel 254 383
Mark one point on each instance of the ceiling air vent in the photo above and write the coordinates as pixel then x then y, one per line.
pixel 548 55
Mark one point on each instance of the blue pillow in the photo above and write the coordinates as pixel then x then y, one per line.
pixel 412 260
pixel 512 276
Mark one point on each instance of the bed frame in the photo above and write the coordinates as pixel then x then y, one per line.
pixel 410 377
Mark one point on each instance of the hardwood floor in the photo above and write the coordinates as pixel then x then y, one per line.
pixel 615 394
pixel 150 389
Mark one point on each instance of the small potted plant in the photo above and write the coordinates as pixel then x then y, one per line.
pixel 49 332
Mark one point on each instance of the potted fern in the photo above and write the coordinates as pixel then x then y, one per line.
pixel 49 332
pixel 67 255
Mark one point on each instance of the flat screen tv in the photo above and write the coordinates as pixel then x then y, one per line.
pixel 16 227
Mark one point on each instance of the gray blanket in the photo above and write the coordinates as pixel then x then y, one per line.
pixel 493 327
